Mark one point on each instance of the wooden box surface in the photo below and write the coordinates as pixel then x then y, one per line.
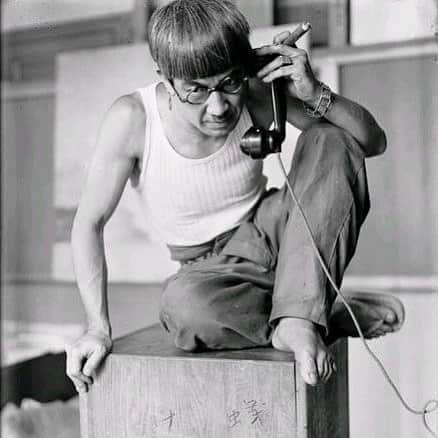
pixel 149 388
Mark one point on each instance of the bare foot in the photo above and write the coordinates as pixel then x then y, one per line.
pixel 302 337
pixel 376 313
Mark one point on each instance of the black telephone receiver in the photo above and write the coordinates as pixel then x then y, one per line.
pixel 259 142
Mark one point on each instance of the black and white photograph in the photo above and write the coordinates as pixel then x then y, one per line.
pixel 219 219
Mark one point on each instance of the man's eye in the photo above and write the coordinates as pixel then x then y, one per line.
pixel 197 90
pixel 230 82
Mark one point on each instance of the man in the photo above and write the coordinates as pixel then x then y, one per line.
pixel 249 275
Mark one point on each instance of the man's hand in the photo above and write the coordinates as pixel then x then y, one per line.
pixel 84 357
pixel 292 64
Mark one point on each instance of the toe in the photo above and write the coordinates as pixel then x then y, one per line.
pixel 383 330
pixel 309 371
pixel 323 367
pixel 333 366
pixel 377 334
pixel 373 329
pixel 390 317
pixel 330 371
pixel 387 328
pixel 312 378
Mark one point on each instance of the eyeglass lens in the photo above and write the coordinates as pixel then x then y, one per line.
pixel 229 85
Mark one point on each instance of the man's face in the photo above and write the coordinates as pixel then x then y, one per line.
pixel 212 112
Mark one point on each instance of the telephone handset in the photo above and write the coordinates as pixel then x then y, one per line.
pixel 259 142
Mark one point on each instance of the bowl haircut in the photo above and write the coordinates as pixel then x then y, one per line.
pixel 192 39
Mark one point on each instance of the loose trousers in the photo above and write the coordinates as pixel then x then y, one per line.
pixel 231 292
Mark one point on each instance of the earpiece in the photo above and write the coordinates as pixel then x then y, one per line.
pixel 259 142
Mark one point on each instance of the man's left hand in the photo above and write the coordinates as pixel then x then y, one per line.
pixel 292 64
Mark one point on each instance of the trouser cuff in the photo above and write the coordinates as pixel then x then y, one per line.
pixel 306 309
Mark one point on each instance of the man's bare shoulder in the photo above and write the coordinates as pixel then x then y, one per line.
pixel 128 110
pixel 126 119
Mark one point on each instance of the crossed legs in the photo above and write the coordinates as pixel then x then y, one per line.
pixel 240 298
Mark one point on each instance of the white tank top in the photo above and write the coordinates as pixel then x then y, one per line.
pixel 191 201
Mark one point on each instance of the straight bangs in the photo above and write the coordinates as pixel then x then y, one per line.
pixel 192 39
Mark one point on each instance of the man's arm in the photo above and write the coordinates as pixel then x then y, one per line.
pixel 304 88
pixel 110 168
pixel 346 114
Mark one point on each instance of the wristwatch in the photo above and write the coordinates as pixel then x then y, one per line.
pixel 323 105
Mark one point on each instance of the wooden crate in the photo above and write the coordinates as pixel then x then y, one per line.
pixel 148 388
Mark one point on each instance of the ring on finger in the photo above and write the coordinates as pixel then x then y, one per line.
pixel 286 60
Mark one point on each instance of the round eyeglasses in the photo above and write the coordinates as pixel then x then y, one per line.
pixel 199 94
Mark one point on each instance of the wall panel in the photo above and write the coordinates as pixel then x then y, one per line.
pixel 27 184
pixel 401 233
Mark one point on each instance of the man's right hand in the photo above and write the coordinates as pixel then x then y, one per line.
pixel 84 357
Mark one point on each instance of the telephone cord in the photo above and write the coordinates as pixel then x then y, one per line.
pixel 431 405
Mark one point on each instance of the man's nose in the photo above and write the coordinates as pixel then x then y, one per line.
pixel 217 104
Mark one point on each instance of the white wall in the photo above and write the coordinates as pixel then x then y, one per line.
pixel 411 358
pixel 23 14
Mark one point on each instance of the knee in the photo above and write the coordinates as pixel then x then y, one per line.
pixel 186 313
pixel 324 132
pixel 331 152
pixel 329 160
pixel 333 144
pixel 183 301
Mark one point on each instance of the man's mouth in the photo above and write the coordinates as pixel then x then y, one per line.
pixel 219 122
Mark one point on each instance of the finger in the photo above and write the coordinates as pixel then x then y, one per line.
pixel 74 366
pixel 80 386
pixel 281 37
pixel 93 362
pixel 278 62
pixel 279 49
pixel 281 72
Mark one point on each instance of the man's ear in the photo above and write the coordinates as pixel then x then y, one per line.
pixel 167 84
